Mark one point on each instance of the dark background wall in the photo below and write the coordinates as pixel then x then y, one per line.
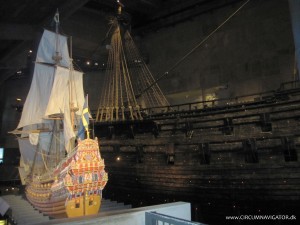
pixel 252 52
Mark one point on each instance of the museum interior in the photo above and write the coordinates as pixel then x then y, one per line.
pixel 149 102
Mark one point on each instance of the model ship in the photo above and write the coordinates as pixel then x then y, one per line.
pixel 62 169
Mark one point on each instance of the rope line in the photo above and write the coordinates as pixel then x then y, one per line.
pixel 125 76
pixel 192 50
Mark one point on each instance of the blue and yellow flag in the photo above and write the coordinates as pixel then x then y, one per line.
pixel 84 123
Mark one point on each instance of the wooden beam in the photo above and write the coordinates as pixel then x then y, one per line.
pixel 181 12
pixel 66 10
pixel 9 31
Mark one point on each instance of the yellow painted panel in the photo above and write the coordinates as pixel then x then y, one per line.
pixel 92 204
pixel 75 207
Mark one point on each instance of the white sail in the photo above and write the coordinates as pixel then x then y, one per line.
pixel 38 96
pixel 59 92
pixel 23 175
pixel 55 89
pixel 50 44
pixel 34 138
pixel 39 134
pixel 29 156
pixel 65 80
pixel 37 155
pixel 69 134
pixel 61 99
pixel 77 93
pixel 27 152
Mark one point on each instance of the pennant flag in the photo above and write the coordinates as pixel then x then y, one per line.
pixel 84 123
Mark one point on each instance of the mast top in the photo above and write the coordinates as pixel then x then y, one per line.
pixel 57 57
pixel 56 20
pixel 120 6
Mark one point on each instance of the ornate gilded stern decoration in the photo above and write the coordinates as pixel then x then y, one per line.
pixel 85 180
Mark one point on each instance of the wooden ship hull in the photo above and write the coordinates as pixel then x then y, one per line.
pixel 242 149
pixel 75 186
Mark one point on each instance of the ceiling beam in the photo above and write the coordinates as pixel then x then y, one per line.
pixel 70 7
pixel 180 13
pixel 16 56
pixel 153 3
pixel 10 31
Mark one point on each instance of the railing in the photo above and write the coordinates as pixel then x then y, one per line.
pixel 289 85
pixel 200 105
pixel 153 218
pixel 220 102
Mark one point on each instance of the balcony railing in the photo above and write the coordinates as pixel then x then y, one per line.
pixel 153 218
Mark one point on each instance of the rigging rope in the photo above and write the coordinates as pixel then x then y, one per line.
pixel 126 75
pixel 192 50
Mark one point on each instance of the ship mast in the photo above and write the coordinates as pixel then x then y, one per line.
pixel 55 156
pixel 126 74
pixel 73 109
pixel 57 58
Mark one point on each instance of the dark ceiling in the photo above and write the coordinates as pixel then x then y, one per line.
pixel 21 23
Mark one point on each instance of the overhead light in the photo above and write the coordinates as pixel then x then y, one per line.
pixel 18 99
pixel 96 64
pixel 87 62
pixel 19 72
